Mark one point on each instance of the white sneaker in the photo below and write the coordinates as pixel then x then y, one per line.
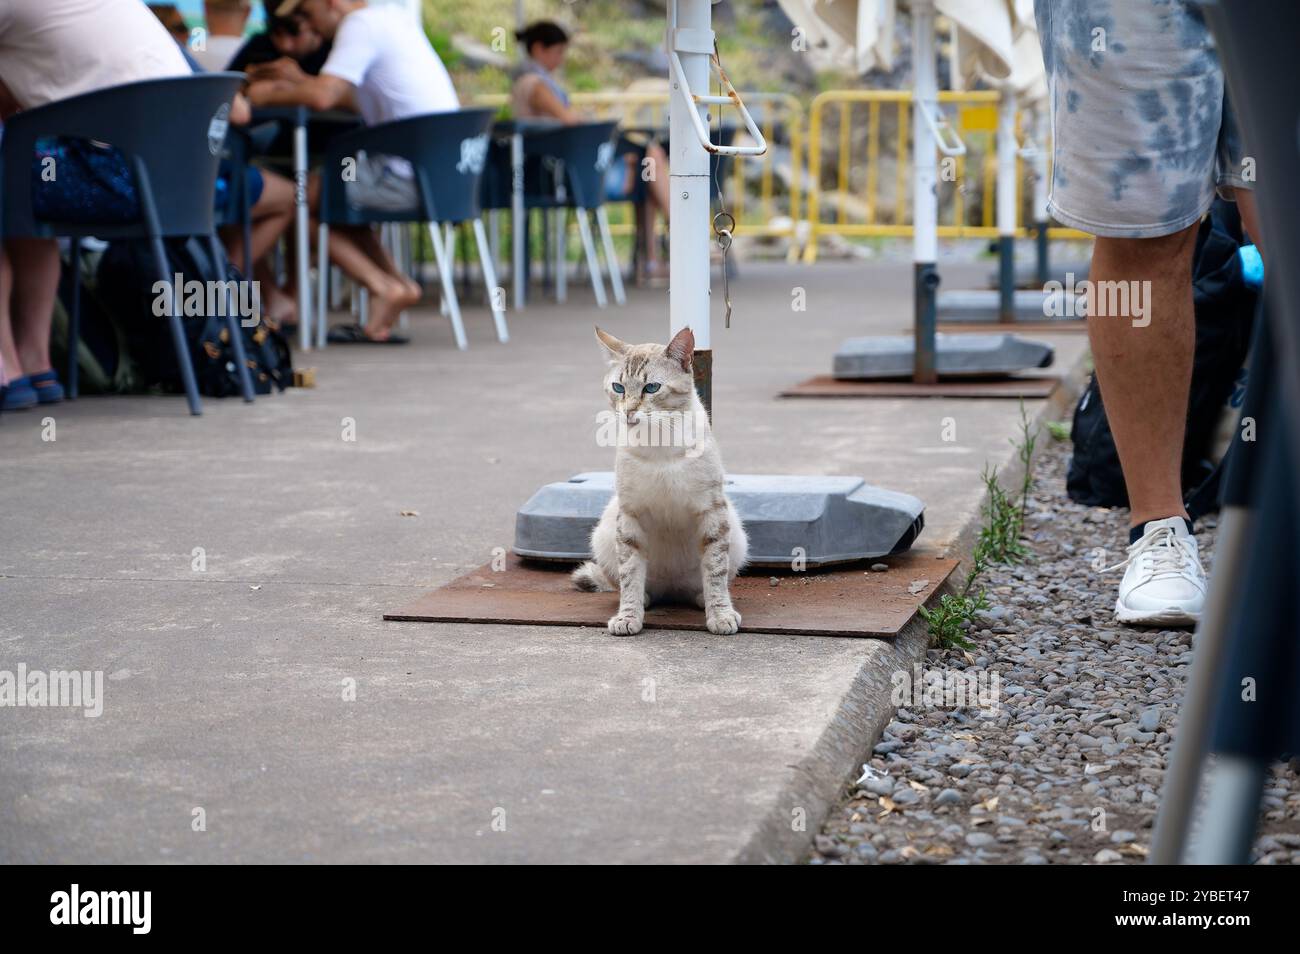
pixel 1163 584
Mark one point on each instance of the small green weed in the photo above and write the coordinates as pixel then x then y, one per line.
pixel 999 541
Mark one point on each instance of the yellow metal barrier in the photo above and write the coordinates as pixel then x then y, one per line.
pixel 767 202
pixel 975 120
pixel 778 199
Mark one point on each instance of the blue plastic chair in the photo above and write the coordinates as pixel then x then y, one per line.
pixel 171 132
pixel 447 152
pixel 567 166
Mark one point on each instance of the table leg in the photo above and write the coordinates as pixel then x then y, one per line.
pixel 518 219
pixel 302 231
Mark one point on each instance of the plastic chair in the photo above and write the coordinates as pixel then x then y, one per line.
pixel 241 146
pixel 447 152
pixel 171 132
pixel 568 166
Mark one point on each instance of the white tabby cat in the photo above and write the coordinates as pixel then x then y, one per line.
pixel 669 532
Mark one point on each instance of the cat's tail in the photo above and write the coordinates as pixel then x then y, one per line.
pixel 592 578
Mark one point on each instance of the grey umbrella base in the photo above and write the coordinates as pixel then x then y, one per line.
pixel 971 355
pixel 1027 275
pixel 814 519
pixel 982 305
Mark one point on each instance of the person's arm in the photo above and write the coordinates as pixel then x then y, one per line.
pixel 241 114
pixel 280 68
pixel 320 93
pixel 543 101
pixel 335 88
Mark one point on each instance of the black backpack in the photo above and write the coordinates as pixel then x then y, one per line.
pixel 104 365
pixel 125 284
pixel 1225 310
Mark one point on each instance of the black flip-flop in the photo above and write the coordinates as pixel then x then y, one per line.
pixel 355 334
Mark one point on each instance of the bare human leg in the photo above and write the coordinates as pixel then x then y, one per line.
pixel 272 214
pixel 658 183
pixel 388 296
pixel 658 198
pixel 370 244
pixel 363 258
pixel 1145 371
pixel 36 283
pixel 652 267
pixel 281 307
pixel 11 366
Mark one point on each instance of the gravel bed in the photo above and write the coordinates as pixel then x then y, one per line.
pixel 1067 766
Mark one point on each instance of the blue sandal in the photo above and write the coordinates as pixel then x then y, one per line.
pixel 18 395
pixel 47 387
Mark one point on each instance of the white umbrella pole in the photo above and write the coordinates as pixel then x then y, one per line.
pixel 925 206
pixel 1006 207
pixel 690 34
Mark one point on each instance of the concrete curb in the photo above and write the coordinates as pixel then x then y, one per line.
pixel 787 830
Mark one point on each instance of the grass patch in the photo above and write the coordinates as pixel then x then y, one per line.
pixel 951 617
pixel 999 542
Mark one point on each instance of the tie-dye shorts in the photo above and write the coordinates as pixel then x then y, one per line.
pixel 1142 130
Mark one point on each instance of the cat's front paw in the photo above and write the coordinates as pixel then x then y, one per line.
pixel 625 624
pixel 722 622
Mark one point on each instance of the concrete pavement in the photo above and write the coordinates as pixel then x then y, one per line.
pixel 224 692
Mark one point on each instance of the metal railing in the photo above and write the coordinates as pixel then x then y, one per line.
pixel 782 194
pixel 763 193
pixel 857 206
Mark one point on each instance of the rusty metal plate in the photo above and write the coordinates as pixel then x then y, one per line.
pixel 842 602
pixel 825 386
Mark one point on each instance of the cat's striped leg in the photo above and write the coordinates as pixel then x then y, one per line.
pixel 631 546
pixel 715 563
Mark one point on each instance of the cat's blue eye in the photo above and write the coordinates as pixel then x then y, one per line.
pixel 618 388
pixel 650 388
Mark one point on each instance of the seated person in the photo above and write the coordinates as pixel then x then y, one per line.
pixel 385 69
pixel 285 37
pixel 223 35
pixel 26 314
pixel 173 20
pixel 52 50
pixel 536 94
pixel 270 198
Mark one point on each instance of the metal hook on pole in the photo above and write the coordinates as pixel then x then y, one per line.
pixel 724 234
pixel 701 41
pixel 946 139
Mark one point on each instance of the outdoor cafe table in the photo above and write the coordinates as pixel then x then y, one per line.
pixel 323 126
pixel 516 131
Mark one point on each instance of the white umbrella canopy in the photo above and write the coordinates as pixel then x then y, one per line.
pixel 1020 67
pixel 846 33
pixel 995 41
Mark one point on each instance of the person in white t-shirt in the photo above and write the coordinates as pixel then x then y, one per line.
pixel 223 36
pixel 383 67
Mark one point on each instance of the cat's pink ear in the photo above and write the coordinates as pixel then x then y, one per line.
pixel 682 347
pixel 612 345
